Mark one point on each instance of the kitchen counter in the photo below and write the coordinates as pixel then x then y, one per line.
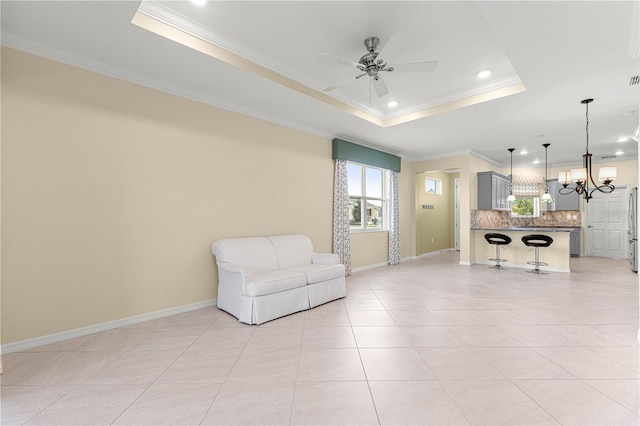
pixel 530 229
pixel 557 255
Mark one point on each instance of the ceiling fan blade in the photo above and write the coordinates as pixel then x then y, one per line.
pixel 328 57
pixel 415 66
pixel 394 44
pixel 380 86
pixel 338 84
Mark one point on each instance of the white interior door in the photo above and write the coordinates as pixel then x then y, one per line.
pixel 606 234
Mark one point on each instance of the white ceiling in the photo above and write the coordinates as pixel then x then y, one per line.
pixel 561 52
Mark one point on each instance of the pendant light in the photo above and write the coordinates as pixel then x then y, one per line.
pixel 582 177
pixel 546 198
pixel 511 198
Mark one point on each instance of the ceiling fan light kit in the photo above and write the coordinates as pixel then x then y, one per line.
pixel 581 177
pixel 372 63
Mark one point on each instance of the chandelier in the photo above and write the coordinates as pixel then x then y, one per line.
pixel 581 177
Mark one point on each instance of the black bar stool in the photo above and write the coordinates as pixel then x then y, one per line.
pixel 537 241
pixel 497 240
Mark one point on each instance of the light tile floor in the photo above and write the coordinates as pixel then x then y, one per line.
pixel 425 342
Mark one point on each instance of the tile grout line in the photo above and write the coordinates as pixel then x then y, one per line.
pixel 295 381
pixel 364 370
pixel 227 377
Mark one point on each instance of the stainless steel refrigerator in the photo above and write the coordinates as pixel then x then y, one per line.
pixel 632 229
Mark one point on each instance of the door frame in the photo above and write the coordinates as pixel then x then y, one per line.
pixel 456 209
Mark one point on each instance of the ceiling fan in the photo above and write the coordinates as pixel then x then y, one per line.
pixel 372 63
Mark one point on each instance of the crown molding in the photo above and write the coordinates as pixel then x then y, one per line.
pixel 17 43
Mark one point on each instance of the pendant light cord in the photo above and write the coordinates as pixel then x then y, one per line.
pixel 511 176
pixel 587 126
pixel 546 181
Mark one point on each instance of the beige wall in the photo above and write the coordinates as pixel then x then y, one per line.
pixel 433 226
pixel 113 193
pixel 460 163
pixel 468 167
pixel 369 248
pixel 406 184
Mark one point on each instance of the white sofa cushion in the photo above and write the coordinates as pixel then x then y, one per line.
pixel 292 250
pixel 319 273
pixel 257 254
pixel 274 282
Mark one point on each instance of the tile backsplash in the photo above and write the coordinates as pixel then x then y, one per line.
pixel 503 219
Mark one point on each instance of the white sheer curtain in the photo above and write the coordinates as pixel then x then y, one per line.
pixel 341 232
pixel 394 221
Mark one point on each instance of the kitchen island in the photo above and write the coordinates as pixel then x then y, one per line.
pixel 557 255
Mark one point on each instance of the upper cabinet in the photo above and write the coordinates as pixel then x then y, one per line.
pixel 493 190
pixel 562 202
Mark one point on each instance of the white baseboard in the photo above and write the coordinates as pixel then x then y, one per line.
pixel 404 259
pixel 364 268
pixel 109 325
pixel 433 253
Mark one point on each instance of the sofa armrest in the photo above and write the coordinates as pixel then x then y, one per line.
pixel 324 258
pixel 235 275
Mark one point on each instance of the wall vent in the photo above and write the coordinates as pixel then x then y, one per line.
pixel 634 80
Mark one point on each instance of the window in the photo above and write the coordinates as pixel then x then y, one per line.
pixel 526 207
pixel 367 197
pixel 433 186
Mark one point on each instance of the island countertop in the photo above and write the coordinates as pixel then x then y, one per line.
pixel 530 229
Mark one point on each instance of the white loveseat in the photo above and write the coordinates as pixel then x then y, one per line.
pixel 263 278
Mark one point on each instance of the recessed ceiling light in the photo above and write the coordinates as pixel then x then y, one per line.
pixel 392 104
pixel 524 152
pixel 623 139
pixel 619 152
pixel 484 73
pixel 536 161
pixel 199 2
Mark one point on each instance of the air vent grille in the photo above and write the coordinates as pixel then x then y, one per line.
pixel 634 80
pixel 602 157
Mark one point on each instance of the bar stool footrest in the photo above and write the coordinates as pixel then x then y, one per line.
pixel 533 262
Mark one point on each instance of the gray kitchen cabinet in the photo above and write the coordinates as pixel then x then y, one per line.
pixel 574 242
pixel 562 202
pixel 493 190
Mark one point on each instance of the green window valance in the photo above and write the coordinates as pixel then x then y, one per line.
pixel 343 150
